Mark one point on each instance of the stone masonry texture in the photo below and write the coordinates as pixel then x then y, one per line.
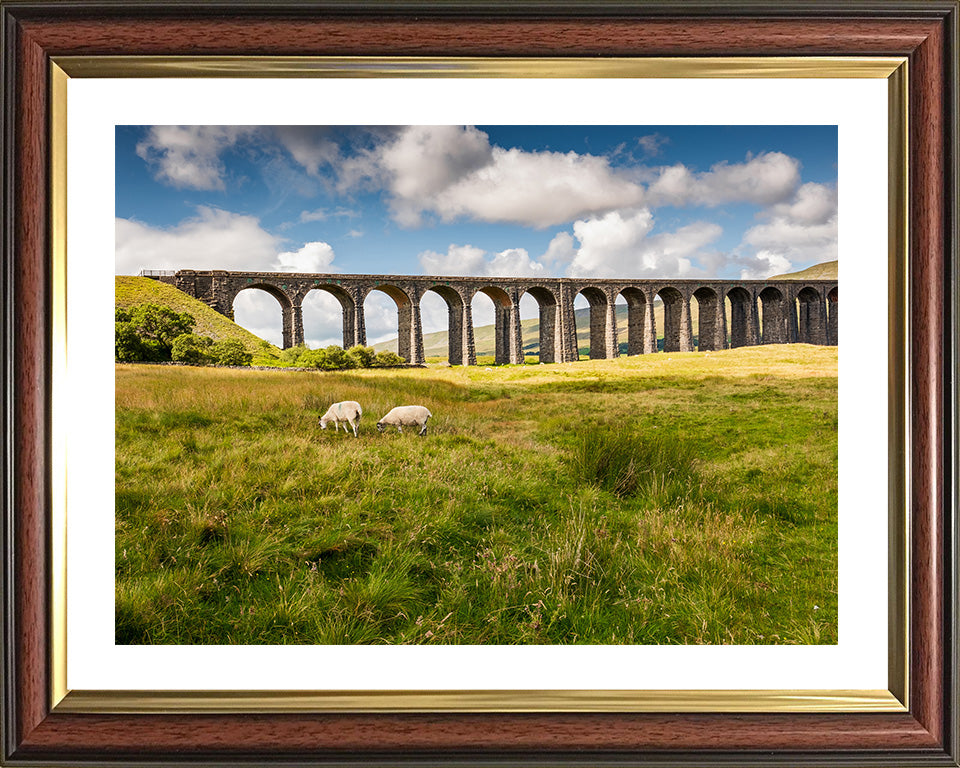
pixel 760 311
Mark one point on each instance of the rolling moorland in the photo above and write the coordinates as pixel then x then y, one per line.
pixel 670 498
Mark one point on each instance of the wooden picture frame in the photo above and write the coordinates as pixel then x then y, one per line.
pixel 36 33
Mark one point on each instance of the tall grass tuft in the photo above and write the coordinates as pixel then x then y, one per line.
pixel 628 463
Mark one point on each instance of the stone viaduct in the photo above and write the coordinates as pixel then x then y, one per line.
pixel 760 311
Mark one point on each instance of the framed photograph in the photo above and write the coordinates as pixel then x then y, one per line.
pixel 551 117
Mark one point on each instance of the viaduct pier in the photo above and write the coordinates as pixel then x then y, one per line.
pixel 759 311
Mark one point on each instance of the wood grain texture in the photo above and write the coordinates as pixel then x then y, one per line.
pixel 705 739
pixel 30 389
pixel 928 252
pixel 299 735
pixel 465 37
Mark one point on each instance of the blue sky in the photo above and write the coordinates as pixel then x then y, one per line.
pixel 604 201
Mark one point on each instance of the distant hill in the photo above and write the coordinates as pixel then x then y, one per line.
pixel 435 344
pixel 130 291
pixel 825 271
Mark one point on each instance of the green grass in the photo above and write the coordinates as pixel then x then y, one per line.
pixel 681 498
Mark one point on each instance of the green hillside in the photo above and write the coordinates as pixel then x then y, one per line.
pixel 130 291
pixel 825 271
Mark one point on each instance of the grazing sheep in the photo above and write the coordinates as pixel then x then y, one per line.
pixel 406 416
pixel 347 412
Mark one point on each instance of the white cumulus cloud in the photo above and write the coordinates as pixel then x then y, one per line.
pixel 189 156
pixel 800 231
pixel 455 172
pixel 469 260
pixel 766 179
pixel 312 257
pixel 211 239
pixel 621 244
pixel 618 247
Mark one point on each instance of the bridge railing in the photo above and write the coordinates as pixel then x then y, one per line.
pixel 157 272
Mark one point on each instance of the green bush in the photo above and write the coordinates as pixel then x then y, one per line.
pixel 290 355
pixel 230 352
pixel 387 360
pixel 362 356
pixel 311 358
pixel 192 348
pixel 332 358
pixel 338 359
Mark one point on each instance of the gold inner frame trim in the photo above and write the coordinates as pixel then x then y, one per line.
pixel 236 702
pixel 426 66
pixel 893 69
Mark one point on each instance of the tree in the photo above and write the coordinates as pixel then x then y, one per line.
pixel 160 323
pixel 127 345
pixel 146 332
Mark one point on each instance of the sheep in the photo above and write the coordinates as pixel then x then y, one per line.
pixel 406 416
pixel 347 412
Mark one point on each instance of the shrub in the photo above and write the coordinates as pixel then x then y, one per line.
pixel 362 356
pixel 230 352
pixel 192 348
pixel 338 359
pixel 291 355
pixel 333 358
pixel 387 360
pixel 311 358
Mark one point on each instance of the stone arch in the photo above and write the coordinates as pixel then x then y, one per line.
pixel 743 317
pixel 348 309
pixel 409 332
pixel 833 328
pixel 599 310
pixel 711 320
pixel 506 348
pixel 459 323
pixel 288 324
pixel 637 312
pixel 811 311
pixel 549 338
pixel 677 333
pixel 773 316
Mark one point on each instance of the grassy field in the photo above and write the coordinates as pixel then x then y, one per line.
pixel 670 498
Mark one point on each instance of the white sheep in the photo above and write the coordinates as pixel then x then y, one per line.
pixel 347 412
pixel 406 416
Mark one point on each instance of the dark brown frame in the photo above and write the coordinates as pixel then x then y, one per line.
pixel 923 31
